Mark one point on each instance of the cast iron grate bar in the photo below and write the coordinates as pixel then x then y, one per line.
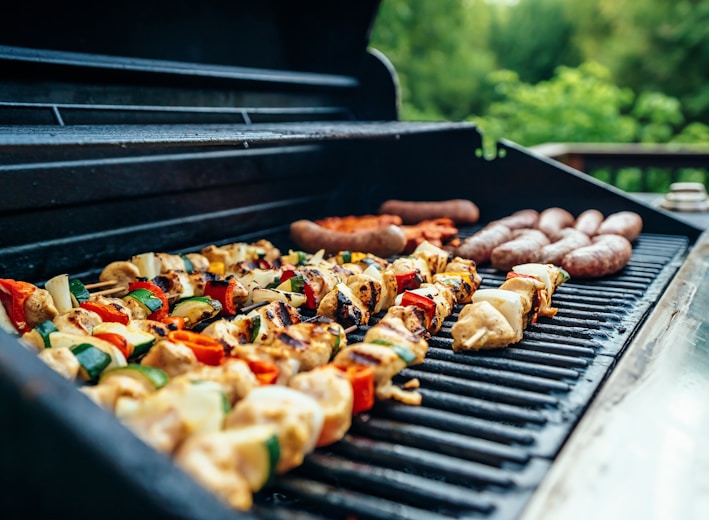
pixel 491 421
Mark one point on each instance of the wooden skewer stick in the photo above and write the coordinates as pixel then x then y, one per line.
pixel 98 285
pixel 251 307
pixel 351 329
pixel 106 292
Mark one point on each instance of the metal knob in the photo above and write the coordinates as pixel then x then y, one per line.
pixel 686 196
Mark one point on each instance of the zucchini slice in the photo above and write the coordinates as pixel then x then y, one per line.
pixel 78 292
pixel 141 340
pixel 196 310
pixel 153 377
pixel 44 329
pixel 259 452
pixel 92 360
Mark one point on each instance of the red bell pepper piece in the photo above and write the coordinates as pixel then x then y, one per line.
pixel 117 340
pixel 266 373
pixel 362 380
pixel 307 288
pixel 223 291
pixel 163 311
pixel 106 312
pixel 207 349
pixel 13 295
pixel 422 302
pixel 174 322
pixel 407 280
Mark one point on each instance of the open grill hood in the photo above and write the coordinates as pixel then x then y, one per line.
pixel 172 139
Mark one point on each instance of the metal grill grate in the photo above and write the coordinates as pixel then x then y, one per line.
pixel 491 422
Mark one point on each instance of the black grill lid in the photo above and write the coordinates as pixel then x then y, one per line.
pixel 315 36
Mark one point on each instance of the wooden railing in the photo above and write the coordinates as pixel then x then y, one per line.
pixel 590 157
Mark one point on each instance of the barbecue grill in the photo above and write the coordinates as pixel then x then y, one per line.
pixel 169 127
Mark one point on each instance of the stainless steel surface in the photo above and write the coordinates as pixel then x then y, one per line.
pixel 686 196
pixel 696 218
pixel 642 449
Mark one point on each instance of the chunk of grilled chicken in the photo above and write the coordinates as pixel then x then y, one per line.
pixel 367 289
pixel 273 317
pixel 195 262
pixel 444 299
pixel 233 376
pixel 461 284
pixel 121 305
pixel 413 318
pixel 392 329
pixel 122 273
pixel 411 263
pixel 458 263
pixel 297 418
pixel 158 329
pixel 480 325
pixel 311 343
pixel 231 333
pixel 383 360
pixel 343 305
pixel 214 461
pixel 173 358
pixel 322 280
pixel 106 394
pixel 333 392
pixel 39 307
pixel 77 321
pixel 62 360
pixel 434 256
pixel 284 360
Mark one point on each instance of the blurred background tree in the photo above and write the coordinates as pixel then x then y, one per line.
pixel 536 71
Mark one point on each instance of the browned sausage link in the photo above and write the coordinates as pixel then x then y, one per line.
pixel 524 218
pixel 478 247
pixel 570 240
pixel 588 221
pixel 626 223
pixel 384 242
pixel 460 211
pixel 607 255
pixel 553 220
pixel 521 250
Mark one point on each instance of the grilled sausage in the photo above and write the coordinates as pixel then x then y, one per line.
pixel 553 220
pixel 570 240
pixel 588 221
pixel 521 250
pixel 607 254
pixel 524 218
pixel 460 211
pixel 383 242
pixel 624 223
pixel 479 246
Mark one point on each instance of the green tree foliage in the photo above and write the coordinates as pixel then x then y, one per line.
pixel 577 104
pixel 439 51
pixel 660 46
pixel 533 38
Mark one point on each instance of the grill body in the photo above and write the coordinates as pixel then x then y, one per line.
pixel 147 147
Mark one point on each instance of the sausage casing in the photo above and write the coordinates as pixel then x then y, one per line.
pixel 570 240
pixel 521 250
pixel 607 254
pixel 460 211
pixel 626 223
pixel 588 221
pixel 553 220
pixel 524 218
pixel 384 242
pixel 479 246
